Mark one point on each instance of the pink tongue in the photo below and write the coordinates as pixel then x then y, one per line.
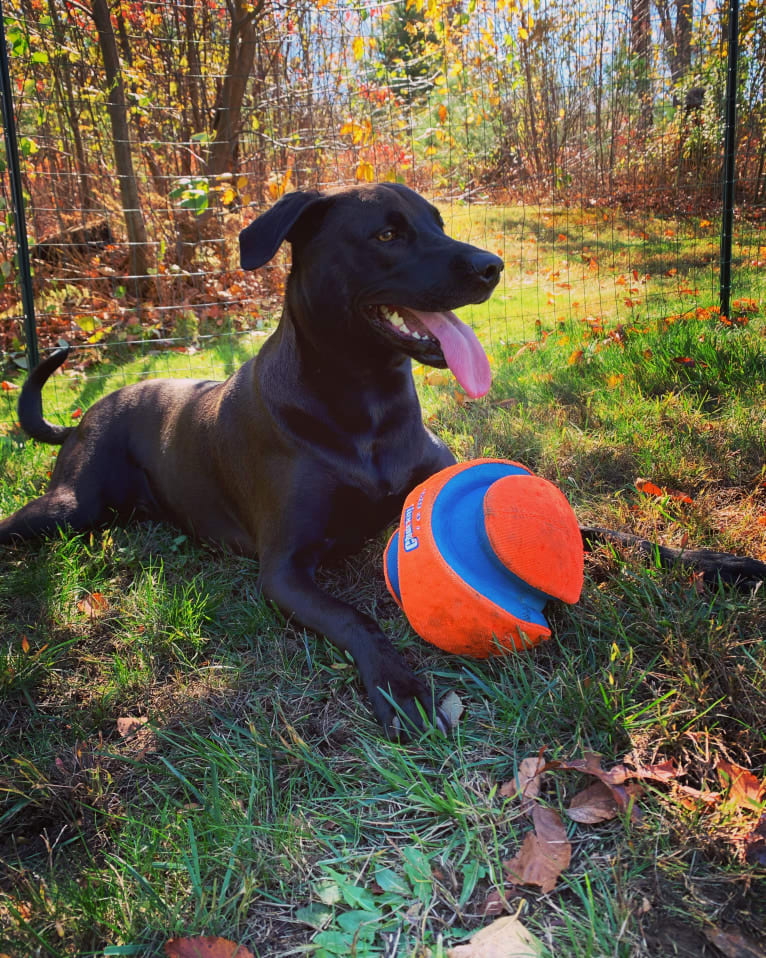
pixel 462 350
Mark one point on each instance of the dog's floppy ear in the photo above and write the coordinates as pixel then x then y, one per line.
pixel 259 241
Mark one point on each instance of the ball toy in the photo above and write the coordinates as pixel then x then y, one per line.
pixel 481 547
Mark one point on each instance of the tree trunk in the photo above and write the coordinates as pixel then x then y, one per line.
pixel 118 117
pixel 641 50
pixel 228 119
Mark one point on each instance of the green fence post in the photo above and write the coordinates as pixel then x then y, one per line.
pixel 730 149
pixel 17 198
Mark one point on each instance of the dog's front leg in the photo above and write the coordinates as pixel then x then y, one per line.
pixel 381 668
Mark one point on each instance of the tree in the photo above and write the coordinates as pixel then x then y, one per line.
pixel 677 37
pixel 118 117
pixel 641 55
pixel 408 50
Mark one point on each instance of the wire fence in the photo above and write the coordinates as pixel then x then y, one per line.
pixel 584 142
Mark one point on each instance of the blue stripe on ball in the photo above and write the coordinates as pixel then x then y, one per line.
pixel 457 524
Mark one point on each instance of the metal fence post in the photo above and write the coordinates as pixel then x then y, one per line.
pixel 17 198
pixel 730 148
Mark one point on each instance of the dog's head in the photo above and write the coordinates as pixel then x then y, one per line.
pixel 373 265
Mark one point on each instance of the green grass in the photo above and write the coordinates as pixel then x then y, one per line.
pixel 260 802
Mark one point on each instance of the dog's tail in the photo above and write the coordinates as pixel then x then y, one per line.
pixel 739 571
pixel 30 405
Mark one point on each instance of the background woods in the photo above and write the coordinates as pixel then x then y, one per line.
pixel 147 128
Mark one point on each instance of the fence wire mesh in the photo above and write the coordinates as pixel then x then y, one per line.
pixel 581 141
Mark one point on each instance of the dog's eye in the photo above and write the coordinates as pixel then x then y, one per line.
pixel 386 235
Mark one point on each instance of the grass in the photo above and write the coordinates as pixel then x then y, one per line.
pixel 259 801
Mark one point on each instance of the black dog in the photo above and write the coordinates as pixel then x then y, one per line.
pixel 312 445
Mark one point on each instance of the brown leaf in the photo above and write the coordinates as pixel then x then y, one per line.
pixel 665 771
pixel 593 804
pixel 744 788
pixel 130 723
pixel 733 943
pixel 495 904
pixel 613 778
pixel 526 784
pixel 545 853
pixel 204 947
pixel 504 938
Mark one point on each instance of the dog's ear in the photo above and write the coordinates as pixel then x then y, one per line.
pixel 259 241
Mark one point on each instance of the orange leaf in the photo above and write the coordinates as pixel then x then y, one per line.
pixel 204 947
pixel 649 488
pixel 93 605
pixel 25 644
pixel 77 413
pixel 6 386
pixel 442 111
pixel 744 788
pixel 576 357
pixel 562 237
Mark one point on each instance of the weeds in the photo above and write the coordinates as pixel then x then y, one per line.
pixel 258 799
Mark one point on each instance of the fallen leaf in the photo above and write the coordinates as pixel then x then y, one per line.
pixel 544 854
pixel 93 605
pixel 205 947
pixel 495 904
pixel 593 804
pixel 526 784
pixel 650 488
pixel 7 387
pixel 452 707
pixel 504 938
pixel 744 789
pixel 666 771
pixel 733 943
pixel 128 724
pixel 614 778
pixel 77 413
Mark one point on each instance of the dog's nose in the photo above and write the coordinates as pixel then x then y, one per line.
pixel 488 266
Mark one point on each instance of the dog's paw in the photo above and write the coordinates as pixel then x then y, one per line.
pixel 402 702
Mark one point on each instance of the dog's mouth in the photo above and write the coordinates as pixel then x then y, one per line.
pixel 437 339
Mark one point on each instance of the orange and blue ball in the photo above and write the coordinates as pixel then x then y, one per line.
pixel 481 547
